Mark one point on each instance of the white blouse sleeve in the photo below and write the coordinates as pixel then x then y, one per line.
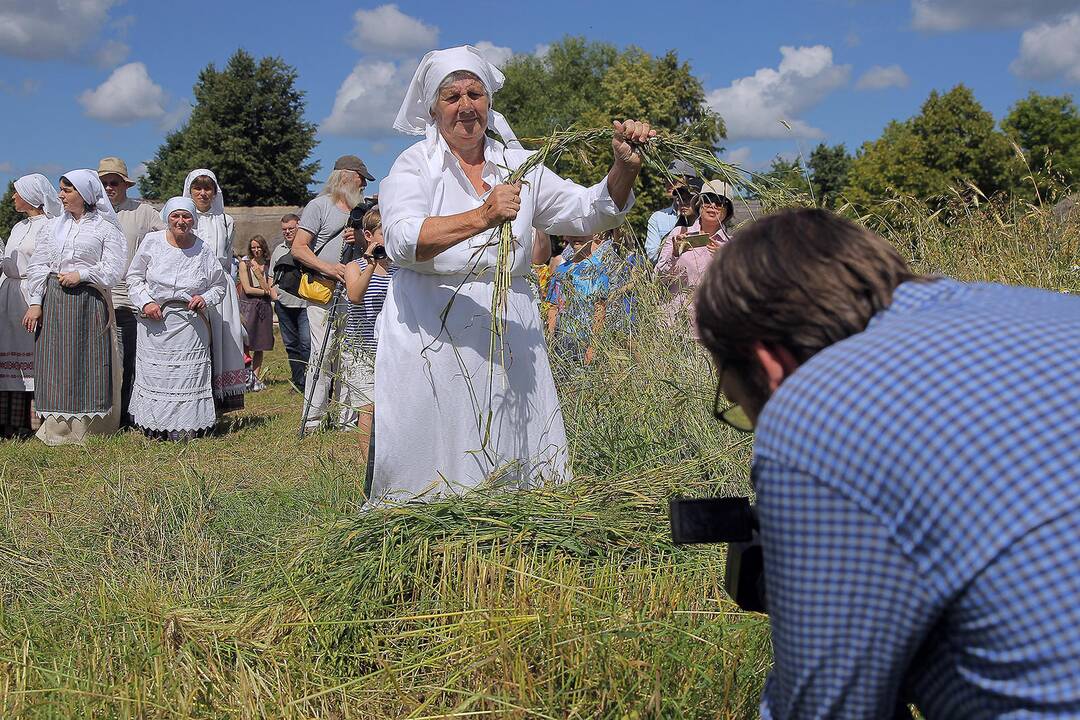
pixel 566 208
pixel 109 268
pixel 138 288
pixel 215 290
pixel 41 263
pixel 405 202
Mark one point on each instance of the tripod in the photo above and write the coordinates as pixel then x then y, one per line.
pixel 331 319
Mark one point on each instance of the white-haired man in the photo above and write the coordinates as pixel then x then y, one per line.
pixel 317 245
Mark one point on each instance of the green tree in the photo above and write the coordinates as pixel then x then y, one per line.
pixel 590 84
pixel 788 174
pixel 8 216
pixel 247 126
pixel 829 167
pixel 950 143
pixel 1047 129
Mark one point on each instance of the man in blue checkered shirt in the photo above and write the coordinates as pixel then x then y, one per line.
pixel 917 472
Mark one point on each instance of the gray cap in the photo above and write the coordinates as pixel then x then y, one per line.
pixel 351 162
pixel 681 167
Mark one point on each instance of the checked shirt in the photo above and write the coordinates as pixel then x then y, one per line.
pixel 918 489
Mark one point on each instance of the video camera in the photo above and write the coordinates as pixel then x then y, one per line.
pixel 729 520
pixel 356 221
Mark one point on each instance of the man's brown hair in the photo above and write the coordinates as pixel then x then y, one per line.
pixel 801 279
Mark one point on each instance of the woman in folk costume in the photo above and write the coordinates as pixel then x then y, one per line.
pixel 36 198
pixel 442 205
pixel 174 278
pixel 216 229
pixel 77 369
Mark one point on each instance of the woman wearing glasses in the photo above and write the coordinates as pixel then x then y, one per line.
pixel 688 250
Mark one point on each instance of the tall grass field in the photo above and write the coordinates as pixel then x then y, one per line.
pixel 237 577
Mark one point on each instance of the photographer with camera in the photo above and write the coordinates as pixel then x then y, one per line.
pixel 917 474
pixel 318 246
pixel 367 278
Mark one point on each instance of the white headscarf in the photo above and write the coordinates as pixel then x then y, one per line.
pixel 178 203
pixel 90 188
pixel 217 205
pixel 414 117
pixel 36 190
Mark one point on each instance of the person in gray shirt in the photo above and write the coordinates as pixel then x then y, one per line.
pixel 323 219
pixel 291 310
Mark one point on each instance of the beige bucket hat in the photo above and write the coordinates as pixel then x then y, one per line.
pixel 114 166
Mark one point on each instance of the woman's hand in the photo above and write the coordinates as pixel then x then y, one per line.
pixel 70 279
pixel 32 318
pixel 628 136
pixel 714 245
pixel 349 235
pixel 152 310
pixel 502 204
pixel 197 303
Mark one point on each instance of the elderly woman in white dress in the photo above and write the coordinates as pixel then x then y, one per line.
pixel 77 369
pixel 442 427
pixel 173 279
pixel 217 230
pixel 36 198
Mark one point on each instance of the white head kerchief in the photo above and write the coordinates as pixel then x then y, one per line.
pixel 217 205
pixel 36 190
pixel 414 117
pixel 90 188
pixel 178 203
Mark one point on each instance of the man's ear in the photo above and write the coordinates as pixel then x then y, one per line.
pixel 776 361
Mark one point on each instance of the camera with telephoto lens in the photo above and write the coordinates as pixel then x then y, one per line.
pixel 733 521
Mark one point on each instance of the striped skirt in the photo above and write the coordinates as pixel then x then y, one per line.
pixel 75 355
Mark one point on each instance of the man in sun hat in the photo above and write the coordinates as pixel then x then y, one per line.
pixel 137 218
pixel 683 184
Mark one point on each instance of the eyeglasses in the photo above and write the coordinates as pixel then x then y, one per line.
pixel 112 183
pixel 733 415
pixel 712 200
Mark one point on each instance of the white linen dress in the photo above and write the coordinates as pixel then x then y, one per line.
pixel 230 375
pixel 17 345
pixel 431 379
pixel 172 391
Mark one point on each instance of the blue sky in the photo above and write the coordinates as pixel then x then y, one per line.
pixel 113 76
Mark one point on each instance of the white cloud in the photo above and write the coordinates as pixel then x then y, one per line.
pixel 541 50
pixel 1048 51
pixel 494 54
pixel 111 54
pixel 128 95
pixel 368 100
pixel 946 15
pixel 50 29
pixel 387 30
pixel 879 78
pixel 739 156
pixel 766 105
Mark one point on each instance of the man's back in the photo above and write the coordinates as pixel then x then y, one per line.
pixel 919 496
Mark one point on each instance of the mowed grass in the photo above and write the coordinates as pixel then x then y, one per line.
pixel 237 576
